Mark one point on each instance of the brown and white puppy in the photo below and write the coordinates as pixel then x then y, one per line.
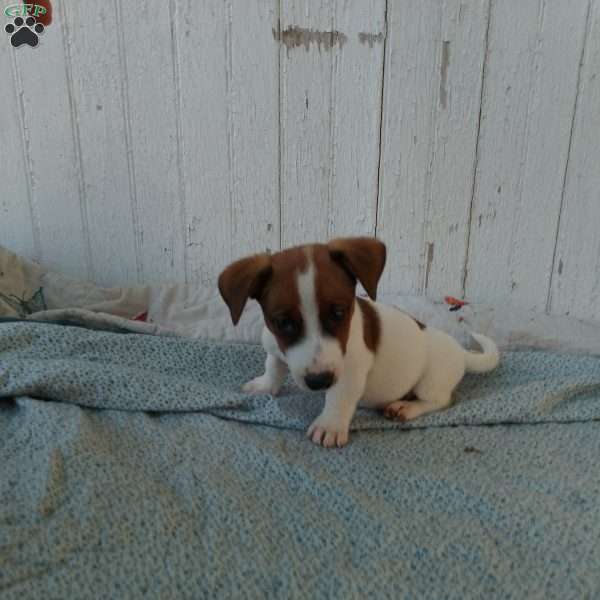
pixel 356 349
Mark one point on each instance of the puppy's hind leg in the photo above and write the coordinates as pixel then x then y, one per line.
pixel 407 410
pixel 434 389
pixel 431 393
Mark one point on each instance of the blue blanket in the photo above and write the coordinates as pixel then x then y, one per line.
pixel 183 486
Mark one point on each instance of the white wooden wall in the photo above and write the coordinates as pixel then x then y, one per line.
pixel 158 143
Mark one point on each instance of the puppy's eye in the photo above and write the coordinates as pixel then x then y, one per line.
pixel 285 325
pixel 337 313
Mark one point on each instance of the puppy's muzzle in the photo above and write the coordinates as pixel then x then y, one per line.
pixel 319 381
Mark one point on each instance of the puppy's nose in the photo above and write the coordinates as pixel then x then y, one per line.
pixel 319 381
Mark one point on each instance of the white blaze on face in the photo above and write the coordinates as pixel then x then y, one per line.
pixel 315 352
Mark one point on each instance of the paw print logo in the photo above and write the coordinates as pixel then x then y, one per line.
pixel 24 31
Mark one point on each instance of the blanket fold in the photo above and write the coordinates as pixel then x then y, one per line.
pixel 134 372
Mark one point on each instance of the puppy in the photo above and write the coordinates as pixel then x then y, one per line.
pixel 359 351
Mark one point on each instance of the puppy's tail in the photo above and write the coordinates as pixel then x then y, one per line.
pixel 481 362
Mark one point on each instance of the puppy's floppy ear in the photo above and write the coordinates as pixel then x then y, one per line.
pixel 362 257
pixel 244 279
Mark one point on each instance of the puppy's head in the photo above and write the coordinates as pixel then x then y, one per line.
pixel 307 298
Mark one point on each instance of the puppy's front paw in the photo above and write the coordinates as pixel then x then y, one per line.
pixel 328 431
pixel 261 385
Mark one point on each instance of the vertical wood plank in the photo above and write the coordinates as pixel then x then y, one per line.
pixel 306 63
pixel 576 277
pixel 147 42
pixel 464 31
pixel 202 47
pixel 228 63
pixel 331 68
pixel 99 111
pixel 528 103
pixel 16 218
pixel 355 113
pixel 52 141
pixel 253 90
pixel 433 77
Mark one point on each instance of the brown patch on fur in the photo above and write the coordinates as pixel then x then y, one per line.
pixel 335 290
pixel 371 324
pixel 363 258
pixel 244 279
pixel 280 296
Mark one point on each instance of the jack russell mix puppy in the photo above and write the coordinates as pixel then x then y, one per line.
pixel 360 351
